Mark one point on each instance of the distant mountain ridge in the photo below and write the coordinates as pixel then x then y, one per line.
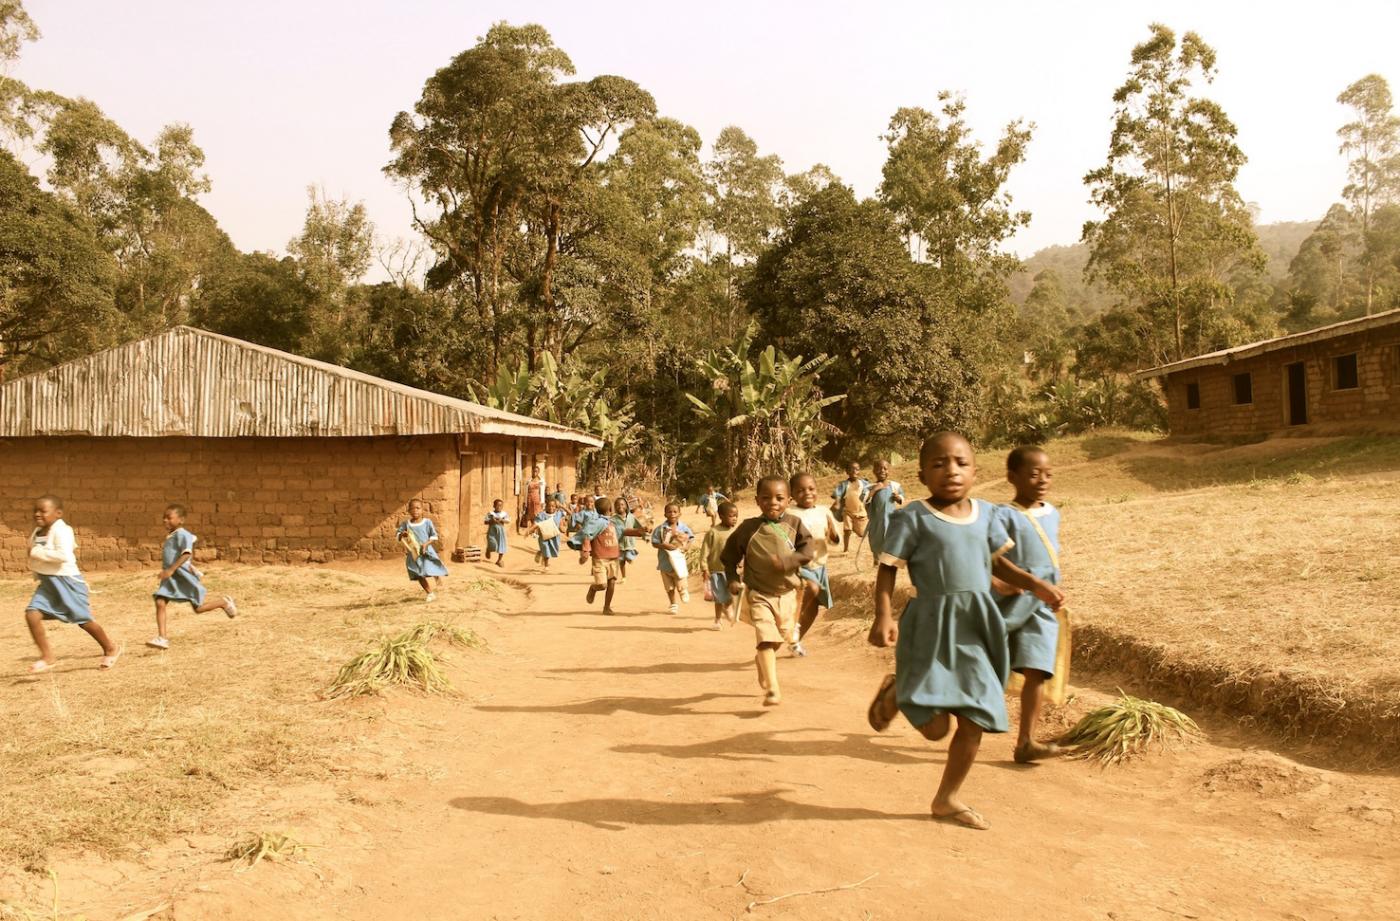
pixel 1280 242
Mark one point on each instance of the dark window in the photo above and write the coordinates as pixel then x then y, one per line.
pixel 1244 389
pixel 1344 372
pixel 1193 396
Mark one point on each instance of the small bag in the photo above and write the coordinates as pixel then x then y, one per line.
pixel 547 528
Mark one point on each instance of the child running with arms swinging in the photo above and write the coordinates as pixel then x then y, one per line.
pixel 417 536
pixel 712 564
pixel 179 580
pixel 670 538
pixel 62 593
pixel 1032 626
pixel 496 539
pixel 772 548
pixel 599 542
pixel 951 658
pixel 628 526
pixel 547 527
pixel 822 525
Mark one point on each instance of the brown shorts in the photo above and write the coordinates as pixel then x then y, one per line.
pixel 856 526
pixel 605 571
pixel 773 617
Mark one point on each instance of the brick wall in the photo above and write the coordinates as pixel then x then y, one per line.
pixel 1376 400
pixel 249 499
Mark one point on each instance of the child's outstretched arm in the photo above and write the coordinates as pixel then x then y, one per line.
pixel 884 631
pixel 180 560
pixel 1015 576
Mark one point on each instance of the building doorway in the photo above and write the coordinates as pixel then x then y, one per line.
pixel 1297 394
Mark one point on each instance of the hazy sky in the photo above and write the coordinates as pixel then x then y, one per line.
pixel 290 93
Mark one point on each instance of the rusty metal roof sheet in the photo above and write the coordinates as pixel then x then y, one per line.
pixel 190 382
pixel 1241 352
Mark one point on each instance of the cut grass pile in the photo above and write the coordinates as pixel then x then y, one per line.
pixel 110 761
pixel 265 845
pixel 1127 727
pixel 401 660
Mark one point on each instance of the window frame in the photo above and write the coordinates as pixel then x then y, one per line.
pixel 1355 371
pixel 1193 396
pixel 1248 378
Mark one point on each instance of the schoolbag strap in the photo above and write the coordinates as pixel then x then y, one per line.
pixel 1044 538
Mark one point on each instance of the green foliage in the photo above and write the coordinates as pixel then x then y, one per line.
pixel 763 408
pixel 1176 241
pixel 259 298
pixel 332 252
pixel 1018 411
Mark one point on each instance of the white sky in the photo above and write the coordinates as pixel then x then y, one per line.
pixel 297 92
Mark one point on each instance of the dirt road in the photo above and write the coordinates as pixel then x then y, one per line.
pixel 624 767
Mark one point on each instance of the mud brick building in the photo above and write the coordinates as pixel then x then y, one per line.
pixel 278 458
pixel 1337 378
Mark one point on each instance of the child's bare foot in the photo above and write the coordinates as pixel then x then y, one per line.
pixel 958 814
pixel 609 611
pixel 592 593
pixel 772 699
pixel 1036 751
pixel 762 678
pixel 500 561
pixel 884 707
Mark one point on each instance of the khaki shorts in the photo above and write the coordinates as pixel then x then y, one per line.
pixel 773 617
pixel 856 526
pixel 671 582
pixel 605 571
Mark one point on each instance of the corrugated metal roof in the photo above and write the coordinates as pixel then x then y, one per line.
pixel 191 382
pixel 1241 352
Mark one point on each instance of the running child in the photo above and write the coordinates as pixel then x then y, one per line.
pixel 61 594
pixel 709 503
pixel 581 513
pixel 1031 625
pixel 599 542
pixel 417 536
pixel 951 657
pixel 629 526
pixel 772 548
pixel 670 539
pixel 496 521
pixel 821 525
pixel 881 499
pixel 849 507
pixel 547 527
pixel 712 565
pixel 179 580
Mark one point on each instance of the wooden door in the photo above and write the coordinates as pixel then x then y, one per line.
pixel 467 514
pixel 1297 394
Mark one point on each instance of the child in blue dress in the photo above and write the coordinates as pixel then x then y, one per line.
pixel 881 499
pixel 549 546
pixel 61 594
pixel 1032 627
pixel 951 657
pixel 628 525
pixel 179 580
pixel 420 556
pixel 496 521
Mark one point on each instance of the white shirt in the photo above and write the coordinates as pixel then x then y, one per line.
pixel 54 553
pixel 817 519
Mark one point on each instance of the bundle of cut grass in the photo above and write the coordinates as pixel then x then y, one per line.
pixel 429 630
pixel 273 845
pixel 1126 727
pixel 396 660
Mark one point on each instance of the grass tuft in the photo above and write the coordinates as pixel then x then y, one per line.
pixel 272 845
pixel 396 660
pixel 429 630
pixel 1127 727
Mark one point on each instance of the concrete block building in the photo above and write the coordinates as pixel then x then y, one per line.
pixel 278 458
pixel 1337 378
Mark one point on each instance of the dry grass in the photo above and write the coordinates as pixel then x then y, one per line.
pixel 1129 726
pixel 266 845
pixel 108 762
pixel 1256 578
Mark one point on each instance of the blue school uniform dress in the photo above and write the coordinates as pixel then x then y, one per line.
pixel 952 654
pixel 62 593
pixel 1032 628
pixel 880 505
pixel 549 549
pixel 496 532
pixel 628 545
pixel 427 563
pixel 183 584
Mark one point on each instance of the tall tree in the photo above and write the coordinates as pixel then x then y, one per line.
pixel 744 188
pixel 1371 144
pixel 332 252
pixel 1176 238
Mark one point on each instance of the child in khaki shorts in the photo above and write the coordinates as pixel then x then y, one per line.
pixel 771 548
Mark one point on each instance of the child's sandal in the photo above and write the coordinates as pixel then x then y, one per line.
pixel 875 713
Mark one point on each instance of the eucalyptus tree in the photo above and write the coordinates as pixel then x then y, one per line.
pixel 745 189
pixel 1371 144
pixel 1176 240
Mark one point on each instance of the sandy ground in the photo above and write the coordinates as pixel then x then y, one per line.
pixel 623 767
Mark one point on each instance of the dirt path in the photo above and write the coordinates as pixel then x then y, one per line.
pixel 623 767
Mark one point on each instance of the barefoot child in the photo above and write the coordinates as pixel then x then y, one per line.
pixel 709 503
pixel 61 594
pixel 772 549
pixel 599 542
pixel 881 500
pixel 951 656
pixel 179 580
pixel 670 539
pixel 496 521
pixel 1033 629
pixel 547 527
pixel 712 565
pixel 628 526
pixel 821 524
pixel 849 507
